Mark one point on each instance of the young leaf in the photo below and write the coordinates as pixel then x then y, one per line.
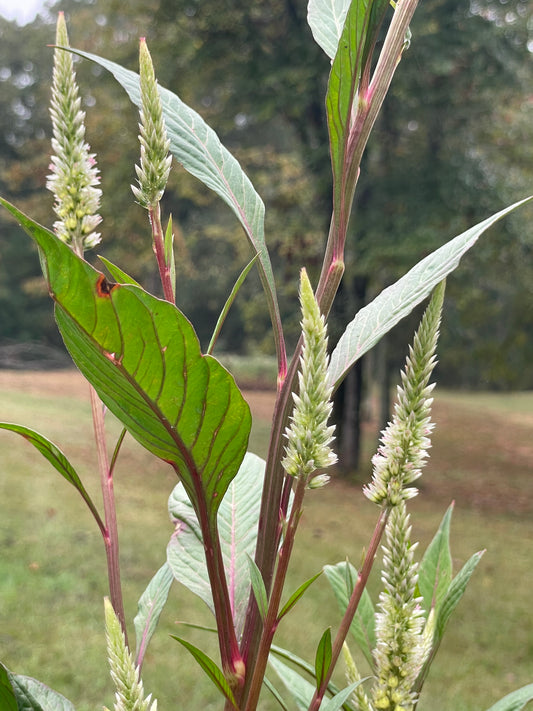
pixel 258 587
pixel 209 667
pixel 150 606
pixel 57 459
pixel 169 255
pixel 291 602
pixel 397 301
pixel 323 657
pixel 237 522
pixel 229 303
pixel 117 273
pixel 301 664
pixel 435 570
pixel 342 578
pixel 33 695
pixel 199 150
pixel 515 701
pixel 454 594
pixel 143 358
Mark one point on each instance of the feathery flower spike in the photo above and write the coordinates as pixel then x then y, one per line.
pixel 74 175
pixel 308 434
pixel 129 694
pixel 153 172
pixel 405 441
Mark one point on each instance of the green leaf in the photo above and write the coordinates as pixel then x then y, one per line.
pixel 150 606
pixel 291 602
pixel 323 657
pixel 238 518
pixel 8 701
pixel 170 259
pixel 300 689
pixel 117 273
pixel 397 301
pixel 326 20
pixel 275 693
pixel 514 701
pixel 30 694
pixel 300 664
pixel 229 303
pixel 435 570
pixel 454 593
pixel 56 458
pixel 209 667
pixel 342 578
pixel 258 587
pixel 143 358
pixel 199 150
pixel 341 697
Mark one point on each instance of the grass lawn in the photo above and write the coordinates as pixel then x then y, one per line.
pixel 52 564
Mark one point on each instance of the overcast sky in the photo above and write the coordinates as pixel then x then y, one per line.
pixel 23 11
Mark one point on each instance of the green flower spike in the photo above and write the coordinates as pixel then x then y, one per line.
pixel 308 435
pixel 129 694
pixel 155 165
pixel 405 441
pixel 74 175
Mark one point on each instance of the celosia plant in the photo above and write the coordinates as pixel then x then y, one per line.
pixel 143 360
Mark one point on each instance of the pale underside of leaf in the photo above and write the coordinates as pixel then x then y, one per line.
pixel 326 20
pixel 394 303
pixel 238 517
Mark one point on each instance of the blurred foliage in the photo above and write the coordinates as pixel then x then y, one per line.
pixel 452 145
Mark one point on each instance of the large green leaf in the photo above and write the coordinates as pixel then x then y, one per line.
pixel 397 301
pixel 342 578
pixel 515 701
pixel 150 606
pixel 199 150
pixel 29 694
pixel 435 571
pixel 143 358
pixel 237 524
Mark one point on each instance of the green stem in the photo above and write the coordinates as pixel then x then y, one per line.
pixel 353 603
pixel 158 237
pixel 110 534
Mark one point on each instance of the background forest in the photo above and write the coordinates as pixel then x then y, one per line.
pixel 453 144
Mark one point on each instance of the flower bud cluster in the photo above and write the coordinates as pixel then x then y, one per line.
pixel 129 695
pixel 74 175
pixel 309 435
pixel 153 172
pixel 405 441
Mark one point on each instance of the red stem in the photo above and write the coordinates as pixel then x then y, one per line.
pixel 110 534
pixel 154 213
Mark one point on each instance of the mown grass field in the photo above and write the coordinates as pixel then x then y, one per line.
pixel 52 566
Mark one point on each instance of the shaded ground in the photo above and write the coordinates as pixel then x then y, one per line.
pixel 482 456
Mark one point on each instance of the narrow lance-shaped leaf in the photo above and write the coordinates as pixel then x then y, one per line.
pixel 209 667
pixel 150 606
pixel 435 570
pixel 57 459
pixel 199 150
pixel 342 578
pixel 258 588
pixel 297 594
pixel 143 359
pixel 394 303
pixel 323 657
